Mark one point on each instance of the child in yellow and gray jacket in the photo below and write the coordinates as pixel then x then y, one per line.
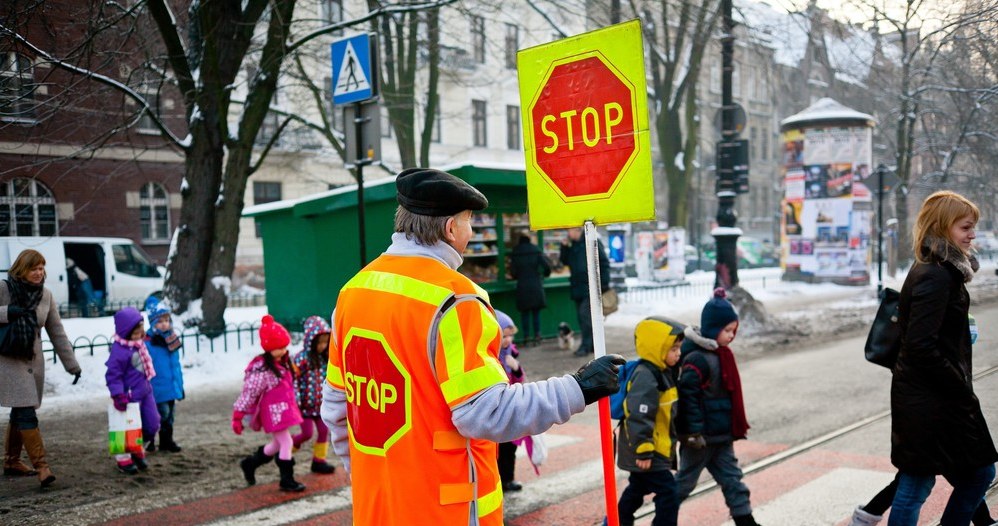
pixel 647 437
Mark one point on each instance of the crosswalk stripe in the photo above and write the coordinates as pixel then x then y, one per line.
pixel 821 501
pixel 292 511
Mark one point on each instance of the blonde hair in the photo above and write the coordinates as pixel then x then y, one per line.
pixel 940 211
pixel 26 260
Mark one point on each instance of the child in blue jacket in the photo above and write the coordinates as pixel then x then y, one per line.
pixel 164 346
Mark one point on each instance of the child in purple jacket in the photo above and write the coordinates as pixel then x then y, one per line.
pixel 129 369
pixel 268 398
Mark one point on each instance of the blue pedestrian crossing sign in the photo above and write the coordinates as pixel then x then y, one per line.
pixel 354 69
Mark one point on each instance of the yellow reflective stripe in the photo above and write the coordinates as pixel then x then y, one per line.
pixel 398 284
pixel 334 375
pixel 490 502
pixel 490 331
pixel 453 343
pixel 470 382
pixel 481 292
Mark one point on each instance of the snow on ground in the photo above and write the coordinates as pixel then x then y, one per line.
pixel 204 369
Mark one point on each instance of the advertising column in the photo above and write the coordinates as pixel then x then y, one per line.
pixel 827 210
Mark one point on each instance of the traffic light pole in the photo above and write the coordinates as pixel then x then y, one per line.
pixel 726 234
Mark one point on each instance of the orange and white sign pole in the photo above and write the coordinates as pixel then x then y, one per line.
pixel 588 157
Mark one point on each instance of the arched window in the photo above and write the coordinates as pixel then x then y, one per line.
pixel 27 208
pixel 154 212
pixel 17 87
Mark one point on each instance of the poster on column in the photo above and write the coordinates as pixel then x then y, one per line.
pixel 825 223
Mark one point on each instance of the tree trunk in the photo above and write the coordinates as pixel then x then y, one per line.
pixel 194 237
pixel 670 145
pixel 222 258
pixel 432 96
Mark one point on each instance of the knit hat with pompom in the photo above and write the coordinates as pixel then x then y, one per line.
pixel 717 314
pixel 273 335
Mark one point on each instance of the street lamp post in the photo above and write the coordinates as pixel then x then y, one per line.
pixel 726 234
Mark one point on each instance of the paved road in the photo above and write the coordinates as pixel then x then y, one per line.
pixel 791 397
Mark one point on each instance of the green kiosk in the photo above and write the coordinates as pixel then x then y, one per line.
pixel 311 245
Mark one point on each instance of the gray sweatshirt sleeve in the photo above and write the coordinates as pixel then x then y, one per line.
pixel 334 415
pixel 505 412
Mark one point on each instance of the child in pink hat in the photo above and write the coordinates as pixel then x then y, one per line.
pixel 268 401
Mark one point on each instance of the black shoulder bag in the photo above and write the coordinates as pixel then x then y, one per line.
pixel 884 341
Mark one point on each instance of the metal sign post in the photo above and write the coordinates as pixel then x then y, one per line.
pixel 355 81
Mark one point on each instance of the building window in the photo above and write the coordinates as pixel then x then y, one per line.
pixel 386 123
pixel 512 44
pixel 27 208
pixel 478 38
pixel 437 134
pixel 268 128
pixel 764 150
pixel 154 212
pixel 17 86
pixel 333 113
pixel 331 11
pixel 513 127
pixel 478 122
pixel 753 144
pixel 265 192
pixel 150 92
pixel 715 77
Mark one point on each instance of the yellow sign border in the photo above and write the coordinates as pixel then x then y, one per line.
pixel 631 198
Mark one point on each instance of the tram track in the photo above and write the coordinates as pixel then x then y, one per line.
pixel 782 456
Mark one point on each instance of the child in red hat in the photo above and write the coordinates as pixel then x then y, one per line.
pixel 268 399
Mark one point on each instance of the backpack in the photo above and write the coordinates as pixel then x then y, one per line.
pixel 624 375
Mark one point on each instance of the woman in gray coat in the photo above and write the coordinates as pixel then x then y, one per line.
pixel 27 306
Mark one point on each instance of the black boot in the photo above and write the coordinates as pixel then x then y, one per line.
pixel 745 520
pixel 323 468
pixel 166 442
pixel 288 482
pixel 250 463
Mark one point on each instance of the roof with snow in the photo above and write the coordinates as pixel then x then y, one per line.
pixel 825 110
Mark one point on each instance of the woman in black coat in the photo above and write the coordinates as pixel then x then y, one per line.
pixel 529 267
pixel 937 426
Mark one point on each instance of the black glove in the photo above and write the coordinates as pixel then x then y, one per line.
pixel 598 378
pixel 694 441
pixel 14 312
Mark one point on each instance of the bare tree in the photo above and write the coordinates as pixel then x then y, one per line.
pixel 922 31
pixel 203 47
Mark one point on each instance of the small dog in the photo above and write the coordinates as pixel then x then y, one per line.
pixel 566 338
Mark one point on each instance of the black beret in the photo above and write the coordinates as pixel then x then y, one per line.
pixel 430 192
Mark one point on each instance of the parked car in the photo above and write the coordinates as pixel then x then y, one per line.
pixel 118 269
pixel 752 253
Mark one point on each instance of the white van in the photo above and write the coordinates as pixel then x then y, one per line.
pixel 119 270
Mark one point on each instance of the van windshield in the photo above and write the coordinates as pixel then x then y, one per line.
pixel 130 259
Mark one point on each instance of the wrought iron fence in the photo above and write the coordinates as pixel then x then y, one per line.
pixel 74 310
pixel 234 336
pixel 682 290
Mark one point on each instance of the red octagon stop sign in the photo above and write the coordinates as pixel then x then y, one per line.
pixel 378 392
pixel 583 127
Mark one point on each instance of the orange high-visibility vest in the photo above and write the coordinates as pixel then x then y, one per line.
pixel 413 339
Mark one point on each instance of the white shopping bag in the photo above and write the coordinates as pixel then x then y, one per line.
pixel 124 429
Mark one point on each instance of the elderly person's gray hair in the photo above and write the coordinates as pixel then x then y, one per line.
pixel 426 230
